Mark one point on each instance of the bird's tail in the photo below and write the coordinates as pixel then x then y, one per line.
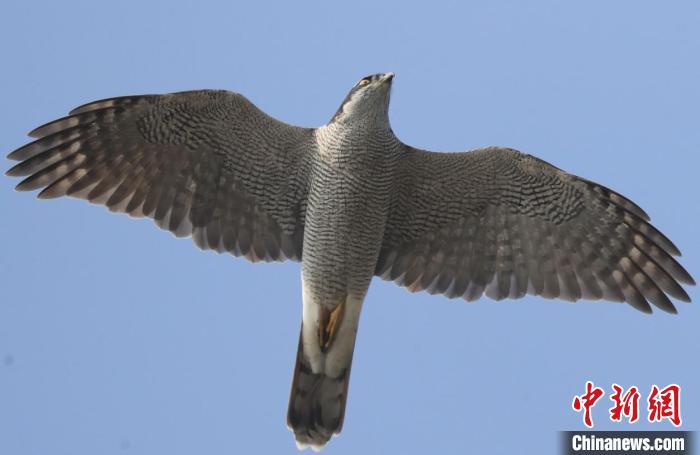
pixel 316 403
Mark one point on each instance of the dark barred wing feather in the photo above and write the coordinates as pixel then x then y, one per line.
pixel 502 223
pixel 204 163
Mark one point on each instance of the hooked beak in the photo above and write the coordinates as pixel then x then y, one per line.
pixel 387 77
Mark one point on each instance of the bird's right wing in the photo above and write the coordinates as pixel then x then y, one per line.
pixel 203 163
pixel 504 223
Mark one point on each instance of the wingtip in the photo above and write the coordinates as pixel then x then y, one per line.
pixel 685 277
pixel 645 309
pixel 11 172
pixel 671 247
pixel 13 155
pixel 34 133
pixel 46 193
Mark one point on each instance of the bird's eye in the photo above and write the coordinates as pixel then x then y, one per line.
pixel 364 81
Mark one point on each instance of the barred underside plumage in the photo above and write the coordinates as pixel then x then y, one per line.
pixel 351 201
pixel 206 163
pixel 347 207
pixel 499 222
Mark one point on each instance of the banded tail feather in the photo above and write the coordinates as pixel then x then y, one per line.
pixel 316 403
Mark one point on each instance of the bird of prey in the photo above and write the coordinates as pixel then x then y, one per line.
pixel 350 201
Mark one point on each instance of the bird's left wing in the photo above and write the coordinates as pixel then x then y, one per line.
pixel 203 163
pixel 504 223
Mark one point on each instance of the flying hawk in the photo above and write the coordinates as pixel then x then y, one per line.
pixel 350 201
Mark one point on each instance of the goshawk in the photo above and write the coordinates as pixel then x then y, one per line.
pixel 350 201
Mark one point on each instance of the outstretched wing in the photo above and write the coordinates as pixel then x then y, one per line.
pixel 504 223
pixel 203 163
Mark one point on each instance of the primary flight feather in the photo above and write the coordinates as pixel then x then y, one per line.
pixel 351 201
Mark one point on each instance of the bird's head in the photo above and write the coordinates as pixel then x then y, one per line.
pixel 367 101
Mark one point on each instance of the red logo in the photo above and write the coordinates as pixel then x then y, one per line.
pixel 626 404
pixel 662 403
pixel 665 404
pixel 587 401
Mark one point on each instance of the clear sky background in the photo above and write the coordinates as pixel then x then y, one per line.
pixel 117 338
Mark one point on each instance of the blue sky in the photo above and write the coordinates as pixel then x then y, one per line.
pixel 116 338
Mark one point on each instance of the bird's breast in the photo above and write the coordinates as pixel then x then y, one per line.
pixel 347 208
